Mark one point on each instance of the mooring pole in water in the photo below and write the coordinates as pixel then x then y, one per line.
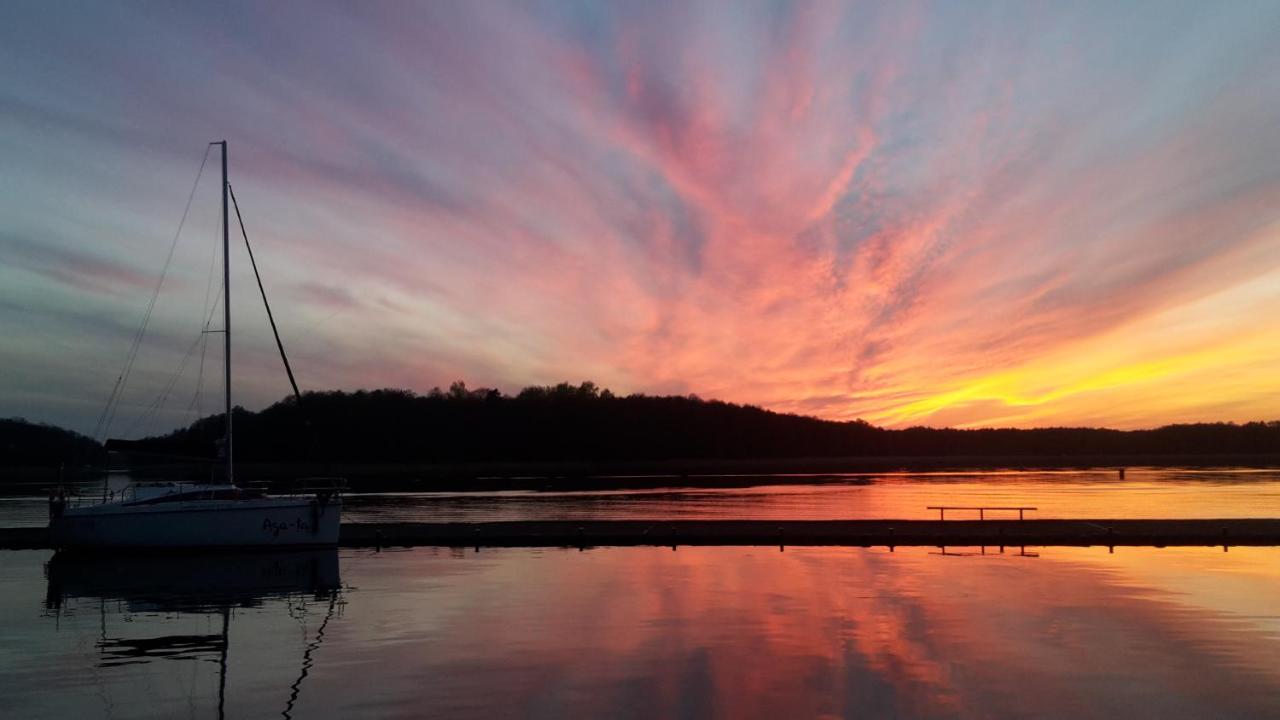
pixel 1121 473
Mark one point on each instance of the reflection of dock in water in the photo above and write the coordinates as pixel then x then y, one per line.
pixel 571 533
pixel 193 584
pixel 851 533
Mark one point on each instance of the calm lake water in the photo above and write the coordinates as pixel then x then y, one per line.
pixel 644 632
pixel 1145 493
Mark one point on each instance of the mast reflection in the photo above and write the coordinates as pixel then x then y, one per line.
pixel 200 584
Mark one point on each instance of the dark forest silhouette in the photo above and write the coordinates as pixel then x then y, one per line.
pixel 585 423
pixel 24 443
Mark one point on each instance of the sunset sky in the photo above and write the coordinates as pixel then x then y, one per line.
pixel 969 214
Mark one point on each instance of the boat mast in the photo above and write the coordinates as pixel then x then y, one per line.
pixel 226 305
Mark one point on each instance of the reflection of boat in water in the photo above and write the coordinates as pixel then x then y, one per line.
pixel 221 514
pixel 193 585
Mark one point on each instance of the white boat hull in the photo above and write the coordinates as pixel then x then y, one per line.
pixel 262 522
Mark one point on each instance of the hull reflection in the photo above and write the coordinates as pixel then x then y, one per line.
pixel 175 586
pixel 192 583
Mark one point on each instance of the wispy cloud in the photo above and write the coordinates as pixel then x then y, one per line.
pixel 911 214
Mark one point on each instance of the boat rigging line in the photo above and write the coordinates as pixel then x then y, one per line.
pixel 194 405
pixel 288 370
pixel 105 419
pixel 145 420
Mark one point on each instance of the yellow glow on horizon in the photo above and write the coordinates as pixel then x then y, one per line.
pixel 1204 354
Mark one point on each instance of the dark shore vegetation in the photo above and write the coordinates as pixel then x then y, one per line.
pixel 28 444
pixel 581 430
pixel 582 422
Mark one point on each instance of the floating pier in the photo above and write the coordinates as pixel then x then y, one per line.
pixel 893 533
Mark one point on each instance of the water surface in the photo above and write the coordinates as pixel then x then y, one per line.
pixel 1144 493
pixel 646 632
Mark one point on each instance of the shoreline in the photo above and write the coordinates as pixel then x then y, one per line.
pixel 633 474
pixel 850 533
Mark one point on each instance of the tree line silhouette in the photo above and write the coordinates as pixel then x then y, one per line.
pixel 584 422
pixel 24 443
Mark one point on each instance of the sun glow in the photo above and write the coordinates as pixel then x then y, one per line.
pixel 896 213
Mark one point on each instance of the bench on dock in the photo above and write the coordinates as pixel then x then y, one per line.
pixel 982 510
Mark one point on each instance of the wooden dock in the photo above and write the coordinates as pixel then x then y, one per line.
pixel 895 533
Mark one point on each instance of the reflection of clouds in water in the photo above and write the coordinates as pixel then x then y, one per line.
pixel 135 635
pixel 755 633
pixel 1145 494
pixel 716 632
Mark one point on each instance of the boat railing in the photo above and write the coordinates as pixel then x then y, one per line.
pixel 320 484
pixel 300 486
pixel 73 497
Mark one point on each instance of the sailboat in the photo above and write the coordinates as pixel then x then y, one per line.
pixel 219 514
